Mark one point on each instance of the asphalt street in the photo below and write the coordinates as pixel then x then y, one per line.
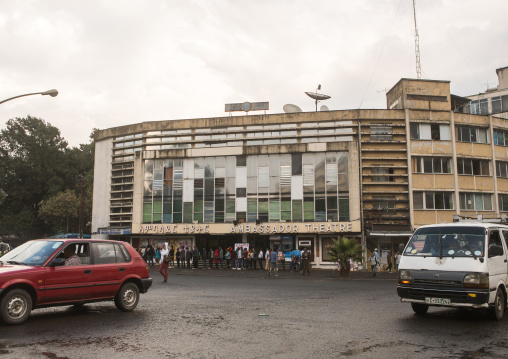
pixel 246 314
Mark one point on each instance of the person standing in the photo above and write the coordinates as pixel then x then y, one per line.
pixel 172 256
pixel 267 259
pixel 397 261
pixel 306 262
pixel 188 255
pixel 210 258
pixel 227 256
pixel 150 253
pixel 245 258
pixel 195 257
pixel 234 259
pixel 221 257
pixel 239 258
pixel 216 258
pixel 273 264
pixel 373 262
pixel 205 257
pixel 163 267
pixel 178 255
pixel 389 261
pixel 260 259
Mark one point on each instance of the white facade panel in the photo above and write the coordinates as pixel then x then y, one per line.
pixel 188 190
pixel 297 187
pixel 241 177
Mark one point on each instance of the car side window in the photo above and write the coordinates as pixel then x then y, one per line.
pixel 495 244
pixel 104 253
pixel 505 235
pixel 122 255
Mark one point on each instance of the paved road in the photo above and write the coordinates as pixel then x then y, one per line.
pixel 215 314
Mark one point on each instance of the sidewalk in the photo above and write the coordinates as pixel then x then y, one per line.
pixel 315 274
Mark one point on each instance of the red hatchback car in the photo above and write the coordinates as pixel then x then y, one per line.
pixel 50 272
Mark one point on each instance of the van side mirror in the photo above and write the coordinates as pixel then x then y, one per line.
pixel 495 250
pixel 57 262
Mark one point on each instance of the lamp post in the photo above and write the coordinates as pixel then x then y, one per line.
pixel 51 93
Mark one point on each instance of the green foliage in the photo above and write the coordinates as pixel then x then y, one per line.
pixel 342 250
pixel 36 166
pixel 60 210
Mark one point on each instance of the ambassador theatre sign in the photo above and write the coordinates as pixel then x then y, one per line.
pixel 263 228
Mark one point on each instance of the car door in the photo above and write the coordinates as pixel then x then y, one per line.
pixel 69 282
pixel 109 269
pixel 497 264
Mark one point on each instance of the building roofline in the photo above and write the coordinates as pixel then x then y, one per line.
pixel 422 80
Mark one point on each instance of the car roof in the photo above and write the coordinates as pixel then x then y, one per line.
pixel 68 240
pixel 467 224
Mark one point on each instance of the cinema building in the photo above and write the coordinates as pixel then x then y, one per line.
pixel 296 180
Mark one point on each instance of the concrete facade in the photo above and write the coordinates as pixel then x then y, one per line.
pixel 220 181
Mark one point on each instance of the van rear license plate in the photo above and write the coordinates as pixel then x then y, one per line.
pixel 439 301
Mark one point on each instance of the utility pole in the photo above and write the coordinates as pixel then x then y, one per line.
pixel 81 207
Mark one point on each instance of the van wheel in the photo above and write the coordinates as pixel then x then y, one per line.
pixel 497 310
pixel 127 297
pixel 420 309
pixel 15 306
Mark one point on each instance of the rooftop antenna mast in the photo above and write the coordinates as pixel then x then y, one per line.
pixel 417 46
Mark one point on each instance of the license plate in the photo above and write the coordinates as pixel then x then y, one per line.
pixel 439 301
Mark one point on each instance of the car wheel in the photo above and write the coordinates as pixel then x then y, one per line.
pixel 127 297
pixel 497 310
pixel 420 309
pixel 15 306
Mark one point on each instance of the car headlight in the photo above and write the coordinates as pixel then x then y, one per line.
pixel 476 280
pixel 405 277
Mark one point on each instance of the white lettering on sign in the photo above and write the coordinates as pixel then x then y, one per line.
pixel 279 228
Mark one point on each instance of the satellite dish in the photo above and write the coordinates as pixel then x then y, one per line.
pixel 317 96
pixel 289 108
pixel 324 108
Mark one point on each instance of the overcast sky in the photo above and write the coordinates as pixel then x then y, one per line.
pixel 119 62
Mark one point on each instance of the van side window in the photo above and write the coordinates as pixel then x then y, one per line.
pixel 495 241
pixel 505 235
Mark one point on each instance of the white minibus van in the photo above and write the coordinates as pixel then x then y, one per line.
pixel 462 265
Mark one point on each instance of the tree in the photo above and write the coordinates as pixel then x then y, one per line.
pixel 60 211
pixel 38 166
pixel 342 250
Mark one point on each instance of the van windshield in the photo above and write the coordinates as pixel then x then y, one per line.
pixel 447 242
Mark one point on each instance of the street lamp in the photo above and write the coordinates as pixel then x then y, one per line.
pixel 51 93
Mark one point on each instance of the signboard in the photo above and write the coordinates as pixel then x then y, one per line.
pixel 114 231
pixel 284 230
pixel 247 106
pixel 244 246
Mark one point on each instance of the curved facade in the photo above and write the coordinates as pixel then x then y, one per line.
pixel 302 179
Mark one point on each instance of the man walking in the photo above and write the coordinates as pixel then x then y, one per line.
pixel 306 262
pixel 273 264
pixel 373 262
pixel 163 267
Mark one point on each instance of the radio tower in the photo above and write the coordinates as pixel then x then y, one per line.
pixel 417 47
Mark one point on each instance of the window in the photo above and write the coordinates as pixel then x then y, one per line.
pixel 383 174
pixel 502 169
pixel 478 107
pixel 468 166
pixel 475 201
pixel 503 204
pixel 433 200
pixel 385 203
pixel 429 131
pixel 500 138
pixel 431 165
pixel 472 134
pixel 381 133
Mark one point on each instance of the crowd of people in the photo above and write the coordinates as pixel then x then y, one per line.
pixel 241 258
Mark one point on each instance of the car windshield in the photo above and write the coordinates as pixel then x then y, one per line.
pixel 33 253
pixel 447 242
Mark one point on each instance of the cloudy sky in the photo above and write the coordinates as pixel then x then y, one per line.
pixel 119 62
